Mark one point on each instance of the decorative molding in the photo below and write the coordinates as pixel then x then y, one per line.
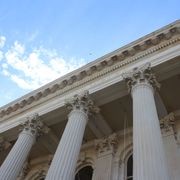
pixel 38 174
pixel 145 46
pixel 42 173
pixel 140 75
pixel 167 124
pixel 82 102
pixel 85 159
pixel 24 171
pixel 106 145
pixel 125 153
pixel 4 144
pixel 34 126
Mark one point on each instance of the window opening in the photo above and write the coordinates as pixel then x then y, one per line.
pixel 84 173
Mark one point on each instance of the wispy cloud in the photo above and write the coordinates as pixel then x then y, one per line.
pixel 2 41
pixel 33 36
pixel 32 69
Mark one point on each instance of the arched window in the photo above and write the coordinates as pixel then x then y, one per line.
pixel 129 171
pixel 84 173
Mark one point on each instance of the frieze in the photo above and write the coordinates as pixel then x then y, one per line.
pixel 126 56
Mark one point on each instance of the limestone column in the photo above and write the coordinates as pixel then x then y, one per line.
pixel 106 149
pixel 168 130
pixel 149 161
pixel 64 161
pixel 14 162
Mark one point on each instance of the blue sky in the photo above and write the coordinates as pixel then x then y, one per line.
pixel 41 40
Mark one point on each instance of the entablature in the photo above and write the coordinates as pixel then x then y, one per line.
pixel 96 77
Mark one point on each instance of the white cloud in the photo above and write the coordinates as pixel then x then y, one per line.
pixel 4 66
pixel 5 72
pixel 1 55
pixel 22 83
pixel 30 70
pixel 2 41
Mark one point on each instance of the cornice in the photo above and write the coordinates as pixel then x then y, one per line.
pixel 141 48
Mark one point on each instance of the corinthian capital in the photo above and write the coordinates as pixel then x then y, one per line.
pixel 107 144
pixel 142 74
pixel 82 102
pixel 34 126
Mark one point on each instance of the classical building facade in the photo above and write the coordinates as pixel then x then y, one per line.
pixel 116 118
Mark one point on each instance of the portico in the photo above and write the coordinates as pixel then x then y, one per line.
pixel 98 115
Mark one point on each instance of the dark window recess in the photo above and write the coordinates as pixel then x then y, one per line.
pixel 130 168
pixel 84 173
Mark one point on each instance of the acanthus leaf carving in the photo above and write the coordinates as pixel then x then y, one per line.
pixel 139 75
pixel 82 102
pixel 34 126
pixel 107 144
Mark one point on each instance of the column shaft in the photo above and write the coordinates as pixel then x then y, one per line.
pixel 64 161
pixel 149 161
pixel 66 156
pixel 106 148
pixel 148 150
pixel 13 164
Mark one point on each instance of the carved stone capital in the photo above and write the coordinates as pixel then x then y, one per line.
pixel 34 126
pixel 167 124
pixel 106 145
pixel 3 144
pixel 140 75
pixel 82 102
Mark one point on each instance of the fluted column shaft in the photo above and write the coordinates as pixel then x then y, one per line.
pixel 14 162
pixel 148 151
pixel 64 161
pixel 149 161
pixel 66 156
